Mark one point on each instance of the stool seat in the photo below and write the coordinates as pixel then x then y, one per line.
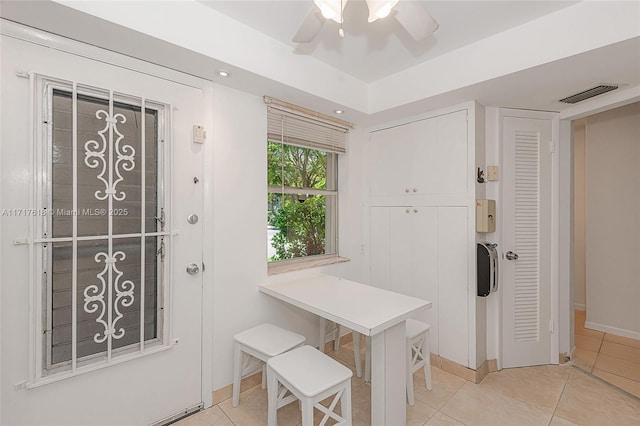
pixel 415 328
pixel 310 370
pixel 269 339
pixel 252 349
pixel 310 376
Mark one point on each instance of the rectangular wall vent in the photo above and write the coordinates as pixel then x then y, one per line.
pixel 594 91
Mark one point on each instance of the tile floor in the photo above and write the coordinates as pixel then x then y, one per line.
pixel 545 395
pixel 612 358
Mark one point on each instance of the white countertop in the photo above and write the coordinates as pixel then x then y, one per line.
pixel 362 308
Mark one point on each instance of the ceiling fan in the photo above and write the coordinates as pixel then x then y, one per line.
pixel 411 15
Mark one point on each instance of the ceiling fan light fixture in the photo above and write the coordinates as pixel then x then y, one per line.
pixel 331 9
pixel 379 9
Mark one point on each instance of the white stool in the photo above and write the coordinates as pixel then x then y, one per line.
pixel 253 347
pixel 310 376
pixel 418 355
pixel 329 331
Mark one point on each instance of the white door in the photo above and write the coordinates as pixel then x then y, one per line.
pixel 101 323
pixel 526 218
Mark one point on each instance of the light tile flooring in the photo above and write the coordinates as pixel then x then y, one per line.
pixel 612 358
pixel 545 395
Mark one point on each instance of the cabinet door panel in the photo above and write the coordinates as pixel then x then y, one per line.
pixel 425 267
pixel 390 161
pixel 453 313
pixel 439 159
pixel 401 252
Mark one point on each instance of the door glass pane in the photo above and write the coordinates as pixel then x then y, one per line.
pixel 111 273
pixel 94 164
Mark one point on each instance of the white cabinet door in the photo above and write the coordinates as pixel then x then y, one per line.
pixel 421 158
pixel 425 267
pixel 391 161
pixel 404 256
pixel 439 154
pixel 453 264
pixel 401 251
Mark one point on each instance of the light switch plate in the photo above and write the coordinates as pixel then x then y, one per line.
pixel 199 135
pixel 492 173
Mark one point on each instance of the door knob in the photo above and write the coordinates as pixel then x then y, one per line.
pixel 193 269
pixel 511 255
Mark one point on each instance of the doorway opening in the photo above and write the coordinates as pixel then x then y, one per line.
pixel 606 225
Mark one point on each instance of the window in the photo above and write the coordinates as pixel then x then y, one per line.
pixel 101 219
pixel 302 169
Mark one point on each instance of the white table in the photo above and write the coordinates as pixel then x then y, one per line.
pixel 370 311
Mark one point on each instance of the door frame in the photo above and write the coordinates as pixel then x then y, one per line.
pixel 565 208
pixel 43 38
pixel 555 229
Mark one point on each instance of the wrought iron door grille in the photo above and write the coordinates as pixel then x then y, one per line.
pixel 101 191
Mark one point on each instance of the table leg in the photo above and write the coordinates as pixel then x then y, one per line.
pixel 388 377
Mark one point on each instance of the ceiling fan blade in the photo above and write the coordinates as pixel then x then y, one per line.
pixel 415 19
pixel 310 27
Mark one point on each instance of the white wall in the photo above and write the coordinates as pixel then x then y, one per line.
pixel 579 268
pixel 492 191
pixel 240 236
pixel 613 220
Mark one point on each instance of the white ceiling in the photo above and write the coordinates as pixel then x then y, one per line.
pixel 373 51
pixel 518 54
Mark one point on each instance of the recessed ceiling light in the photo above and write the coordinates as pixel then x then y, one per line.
pixel 338 111
pixel 223 73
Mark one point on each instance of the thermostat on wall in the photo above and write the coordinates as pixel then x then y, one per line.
pixel 199 135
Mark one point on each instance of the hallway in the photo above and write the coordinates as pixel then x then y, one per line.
pixel 612 358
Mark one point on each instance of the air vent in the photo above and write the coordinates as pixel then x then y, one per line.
pixel 594 91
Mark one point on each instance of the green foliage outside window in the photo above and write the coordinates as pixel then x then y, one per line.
pixel 299 218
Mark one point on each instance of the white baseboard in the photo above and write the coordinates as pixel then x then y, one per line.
pixel 579 307
pixel 613 330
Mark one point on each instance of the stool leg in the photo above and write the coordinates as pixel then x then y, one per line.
pixel 356 352
pixel 336 338
pixel 323 333
pixel 264 377
pixel 237 374
pixel 409 372
pixel 272 398
pixel 345 404
pixel 307 412
pixel 427 361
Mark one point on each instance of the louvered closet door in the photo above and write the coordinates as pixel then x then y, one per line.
pixel 526 241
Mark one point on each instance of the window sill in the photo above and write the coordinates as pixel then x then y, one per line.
pixel 274 268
